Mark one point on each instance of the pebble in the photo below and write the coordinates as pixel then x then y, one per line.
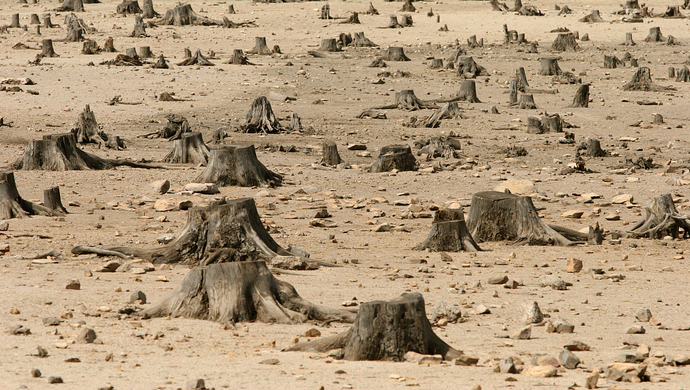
pixel 73 285
pixel 86 336
pixel 533 314
pixel 313 332
pixel 481 309
pixel 577 346
pixel 160 186
pixel 522 334
pixel 643 315
pixel 574 266
pixel 271 361
pixel 498 279
pixel 559 326
pixel 568 359
pixel 110 266
pixel 36 373
pixel 507 366
pixel 55 379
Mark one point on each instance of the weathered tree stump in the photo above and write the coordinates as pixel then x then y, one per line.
pixel 671 72
pixel 109 45
pixel 527 102
pixel 549 67
pixel 12 205
pixel 498 6
pixel 260 118
pixel 595 235
pixel 90 47
pixel 661 219
pixel 196 59
pixel 534 125
pixel 552 123
pixel 47 23
pixel 393 22
pixel 449 110
pixel 473 43
pixel 128 7
pixel 371 10
pixel 387 330
pixel 657 119
pixel 184 15
pixel 406 20
pixel 683 75
pixel 397 157
pixel 147 10
pixel 498 216
pixel 395 53
pixel 188 149
pixel 325 12
pixel 408 101
pixel 237 166
pixel 642 81
pixel 76 28
pixel 359 40
pixel 449 234
pixel 517 5
pixel 513 93
pixel 176 126
pixel 466 66
pixel 408 7
pixel 241 292
pixel 530 10
pixel 52 200
pixel 440 146
pixel 71 5
pixel 670 41
pixel 654 35
pixel 231 9
pixel 139 28
pixel 592 148
pixel 161 63
pixel 581 98
pixel 565 42
pixel 330 157
pixel 593 17
pixel 145 52
pixel 238 58
pixel 611 62
pixel 86 128
pixel 629 40
pixel 34 19
pixel 521 78
pixel 47 48
pixel 132 52
pixel 467 92
pixel 672 11
pixel 565 10
pixel 295 122
pixel 226 231
pixel 352 19
pixel 15 21
pixel 260 47
pixel 329 44
pixel 436 63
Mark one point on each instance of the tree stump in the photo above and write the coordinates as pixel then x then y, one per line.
pixel 325 12
pixel 581 98
pixel 47 23
pixel 15 21
pixel 109 45
pixel 329 44
pixel 406 20
pixel 231 9
pixel 51 200
pixel 128 7
pixel 86 128
pixel 188 149
pixel 371 10
pixel 161 63
pixel 71 5
pixel 683 75
pixel 75 28
pixel 352 19
pixel 565 42
pixel 549 67
pixel 47 48
pixel 12 205
pixel 436 63
pixel 238 58
pixel 498 6
pixel 147 10
pixel 237 166
pixel 661 219
pixel 472 42
pixel 654 35
pixel 387 330
pixel 132 52
pixel 440 146
pixel 145 52
pixel 595 235
pixel 521 78
pixel 593 17
pixel 241 292
pixel 408 101
pixel 225 231
pixel 295 122
pixel 592 148
pixel 408 7
pixel 196 59
pixel 184 15
pixel 34 19
pixel 139 28
pixel 449 110
pixel 448 234
pixel 552 123
pixel 611 62
pixel 466 66
pixel 260 47
pixel 467 92
pixel 498 216
pixel 629 40
pixel 642 81
pixel 38 30
pixel 393 22
pixel 672 11
pixel 395 53
pixel 513 93
pixel 260 118
pixel 90 47
pixel 331 157
pixel 534 125
pixel 397 157
pixel 527 102
pixel 670 41
pixel 517 5
pixel 344 39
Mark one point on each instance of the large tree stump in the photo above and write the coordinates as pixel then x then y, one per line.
pixel 139 27
pixel 51 199
pixel 12 205
pixel 448 234
pixel 552 123
pixel 241 292
pixel 184 15
pixel 527 102
pixel 76 28
pixel 329 44
pixel 225 231
pixel 662 219
pixel 147 10
pixel 467 92
pixel 330 157
pixel 260 47
pixel 387 330
pixel 592 148
pixel 196 59
pixel 406 20
pixel 59 152
pixel 47 48
pixel 565 42
pixel 642 81
pixel 260 118
pixel 395 53
pixel 237 166
pixel 359 40
pixel 71 5
pixel 466 66
pixel 654 35
pixel 593 17
pixel 549 67
pixel 581 98
pixel 397 157
pixel 128 7
pixel 498 216
pixel 408 101
pixel 188 149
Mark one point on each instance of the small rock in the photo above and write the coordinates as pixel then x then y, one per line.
pixel 36 373
pixel 197 384
pixel 635 329
pixel 498 279
pixel 202 188
pixel 289 263
pixel 626 372
pixel 643 315
pixel 559 326
pixel 592 380
pixel 110 266
pixel 323 213
pixel 55 379
pixel 313 332
pixel 577 346
pixel 41 352
pixel 622 199
pixel 160 186
pixel 540 371
pixel 73 285
pixel 446 311
pixel 626 358
pixel 138 296
pixel 163 205
pixel 574 214
pixel 4 226
pixel 523 334
pixel 574 266
pixel 414 357
pixel 166 239
pixel 481 309
pixel 568 359
pixel 518 187
pixel 86 336
pixel 20 330
pixel 51 321
pixel 533 314
pixel 272 361
pixel 507 366
pixel 301 252
pixel 384 227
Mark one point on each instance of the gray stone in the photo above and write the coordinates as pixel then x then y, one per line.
pixel 577 346
pixel 559 326
pixel 202 188
pixel 73 285
pixel 592 380
pixel 568 359
pixel 498 279
pixel 271 361
pixel 643 315
pixel 289 263
pixel 574 266
pixel 86 336
pixel 110 266
pixel 444 310
pixel 507 366
pixel 635 329
pixel 626 358
pixel 36 373
pixel 533 314
pixel 523 334
pixel 4 226
pixel 160 186
pixel 168 238
pixel 138 296
pixel 481 309
pixel 55 379
pixel 297 251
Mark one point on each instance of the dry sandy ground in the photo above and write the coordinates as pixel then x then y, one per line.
pixel 601 309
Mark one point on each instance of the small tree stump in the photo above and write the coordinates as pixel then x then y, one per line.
pixel 128 7
pixel 147 10
pixel 196 59
pixel 238 58
pixel 372 10
pixel 12 205
pixel 330 154
pixel 47 48
pixel 188 149
pixel 237 166
pixel 397 157
pixel 395 53
pixel 467 67
pixel 670 41
pixel 387 330
pixel 595 235
pixel 642 81
pixel 184 15
pixel 75 28
pixel 406 20
pixel 673 11
pixel 671 72
pixel 241 292
pixel 145 52
pixel 611 62
pixel 139 28
pixel 408 101
pixel 34 19
pixel 51 200
pixel 260 118
pixel 329 44
pixel 436 63
pixel 661 219
pixel 231 9
pixel 534 125
pixel 132 52
pixel 46 22
pixel 449 110
pixel 472 42
pixel 527 102
pixel 498 216
pixel 683 75
pixel 71 5
pixel 90 47
pixel 654 35
pixel 448 234
pixel 629 40
pixel 325 12
pixel 161 63
pixel 517 5
pixel 15 21
pixel 260 47
pixel 565 10
pixel 408 7
pixel 592 148
pixel 393 22
pixel 513 93
pixel 109 45
pixel 565 42
pixel 498 6
pixel 38 30
pixel 295 122
pixel 549 67
pixel 359 40
pixel 521 78
pixel 552 123
pixel 593 17
pixel 467 92
pixel 353 19
pixel 581 98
